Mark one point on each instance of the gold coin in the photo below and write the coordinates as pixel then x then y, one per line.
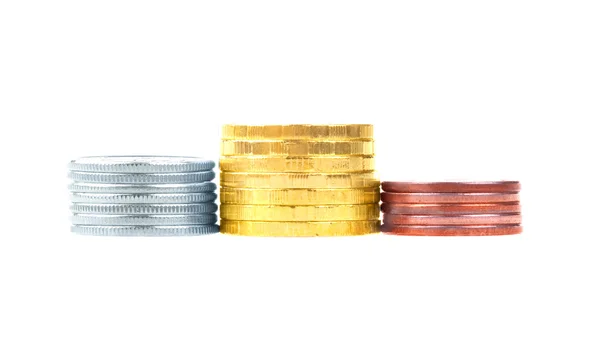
pixel 298 132
pixel 299 180
pixel 332 164
pixel 299 196
pixel 297 148
pixel 321 228
pixel 299 213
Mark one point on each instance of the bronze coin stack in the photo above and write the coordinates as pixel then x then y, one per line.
pixel 298 180
pixel 451 208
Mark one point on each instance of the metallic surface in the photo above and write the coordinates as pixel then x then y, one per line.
pixel 297 148
pixel 298 181
pixel 143 188
pixel 442 198
pixel 144 209
pixel 298 132
pixel 299 196
pixel 186 198
pixel 479 230
pixel 334 164
pixel 437 220
pixel 444 187
pixel 132 220
pixel 141 164
pixel 444 209
pixel 300 213
pixel 186 230
pixel 299 229
pixel 141 178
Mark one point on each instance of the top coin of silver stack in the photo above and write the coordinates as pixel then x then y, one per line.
pixel 143 196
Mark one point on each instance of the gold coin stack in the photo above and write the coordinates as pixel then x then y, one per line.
pixel 298 180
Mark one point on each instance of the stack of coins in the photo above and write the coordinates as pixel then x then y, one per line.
pixel 451 208
pixel 298 180
pixel 143 196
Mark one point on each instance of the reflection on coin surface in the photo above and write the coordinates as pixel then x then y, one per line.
pixel 141 178
pixel 297 132
pixel 298 180
pixel 144 209
pixel 439 220
pixel 299 196
pixel 185 230
pixel 132 220
pixel 143 188
pixel 330 164
pixel 141 164
pixel 442 198
pixel 297 148
pixel 300 213
pixel 299 229
pixel 441 209
pixel 186 198
pixel 479 230
pixel 445 187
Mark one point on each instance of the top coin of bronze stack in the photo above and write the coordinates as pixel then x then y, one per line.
pixel 451 208
pixel 298 180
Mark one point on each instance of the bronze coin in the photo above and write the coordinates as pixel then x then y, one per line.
pixel 474 230
pixel 462 187
pixel 445 198
pixel 445 209
pixel 443 220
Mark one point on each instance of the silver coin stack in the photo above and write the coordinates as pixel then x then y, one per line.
pixel 143 196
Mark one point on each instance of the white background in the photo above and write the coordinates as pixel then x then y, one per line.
pixel 455 89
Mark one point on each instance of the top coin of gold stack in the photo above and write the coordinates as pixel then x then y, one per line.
pixel 298 180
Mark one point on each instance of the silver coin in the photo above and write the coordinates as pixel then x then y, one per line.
pixel 138 220
pixel 187 230
pixel 141 178
pixel 144 209
pixel 142 188
pixel 189 198
pixel 141 164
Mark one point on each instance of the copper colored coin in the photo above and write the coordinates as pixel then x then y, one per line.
pixel 475 230
pixel 487 186
pixel 442 220
pixel 449 209
pixel 445 198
